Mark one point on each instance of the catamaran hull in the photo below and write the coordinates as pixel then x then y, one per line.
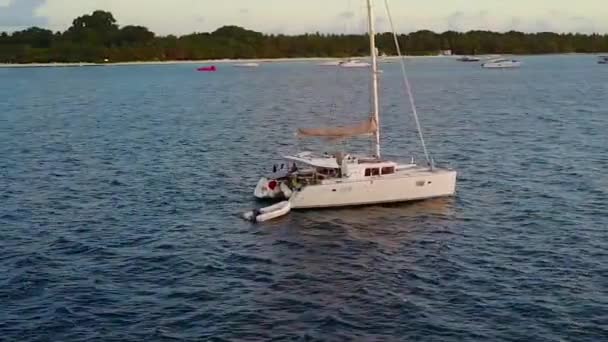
pixel 440 183
pixel 271 189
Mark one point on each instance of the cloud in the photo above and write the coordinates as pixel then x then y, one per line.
pixel 552 20
pixel 17 14
pixel 559 22
pixel 382 24
pixel 455 20
pixel 291 17
pixel 461 21
pixel 346 15
pixel 582 24
pixel 515 22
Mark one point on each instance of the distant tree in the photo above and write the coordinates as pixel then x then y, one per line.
pixel 98 20
pixel 4 38
pixel 33 37
pixel 423 42
pixel 96 36
pixel 236 32
pixel 98 28
pixel 130 35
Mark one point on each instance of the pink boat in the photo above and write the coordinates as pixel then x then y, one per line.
pixel 207 68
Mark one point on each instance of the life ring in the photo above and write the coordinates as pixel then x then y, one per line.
pixel 272 184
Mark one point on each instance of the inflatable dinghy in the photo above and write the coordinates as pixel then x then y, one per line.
pixel 268 213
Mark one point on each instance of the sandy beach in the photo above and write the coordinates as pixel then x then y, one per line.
pixel 215 61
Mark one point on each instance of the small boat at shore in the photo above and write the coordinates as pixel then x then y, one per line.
pixel 501 64
pixel 469 59
pixel 350 63
pixel 330 64
pixel 354 64
pixel 603 60
pixel 211 68
pixel 247 65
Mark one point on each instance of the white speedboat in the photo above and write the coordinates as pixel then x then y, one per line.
pixel 469 59
pixel 247 65
pixel 603 60
pixel 354 64
pixel 351 179
pixel 330 64
pixel 501 64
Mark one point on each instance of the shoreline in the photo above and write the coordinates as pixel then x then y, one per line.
pixel 237 61
pixel 175 62
pixel 202 61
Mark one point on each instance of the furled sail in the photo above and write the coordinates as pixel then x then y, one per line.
pixel 368 127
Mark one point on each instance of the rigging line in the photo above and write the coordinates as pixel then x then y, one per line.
pixel 407 84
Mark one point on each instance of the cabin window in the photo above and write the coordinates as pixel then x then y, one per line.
pixel 372 172
pixel 388 170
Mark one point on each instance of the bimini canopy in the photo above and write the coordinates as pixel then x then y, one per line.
pixel 365 128
pixel 325 162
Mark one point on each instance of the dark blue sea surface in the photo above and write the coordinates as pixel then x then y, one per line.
pixel 121 189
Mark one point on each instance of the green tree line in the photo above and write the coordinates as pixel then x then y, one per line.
pixel 97 37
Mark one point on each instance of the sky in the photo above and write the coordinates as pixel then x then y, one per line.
pixel 299 16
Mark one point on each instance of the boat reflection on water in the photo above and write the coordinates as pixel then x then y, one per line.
pixel 330 248
pixel 441 208
pixel 388 225
pixel 372 216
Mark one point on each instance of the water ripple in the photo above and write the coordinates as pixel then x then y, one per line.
pixel 120 201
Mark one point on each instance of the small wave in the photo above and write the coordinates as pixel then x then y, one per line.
pixel 240 259
pixel 116 183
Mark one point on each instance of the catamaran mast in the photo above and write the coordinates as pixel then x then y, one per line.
pixel 375 97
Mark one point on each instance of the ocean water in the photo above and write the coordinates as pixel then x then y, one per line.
pixel 121 189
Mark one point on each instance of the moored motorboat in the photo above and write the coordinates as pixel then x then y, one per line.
pixel 330 64
pixel 354 64
pixel 602 60
pixel 247 65
pixel 469 59
pixel 501 64
pixel 211 68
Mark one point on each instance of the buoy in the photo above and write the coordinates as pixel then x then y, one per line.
pixel 207 68
pixel 272 184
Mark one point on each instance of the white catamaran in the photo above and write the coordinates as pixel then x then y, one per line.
pixel 343 179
